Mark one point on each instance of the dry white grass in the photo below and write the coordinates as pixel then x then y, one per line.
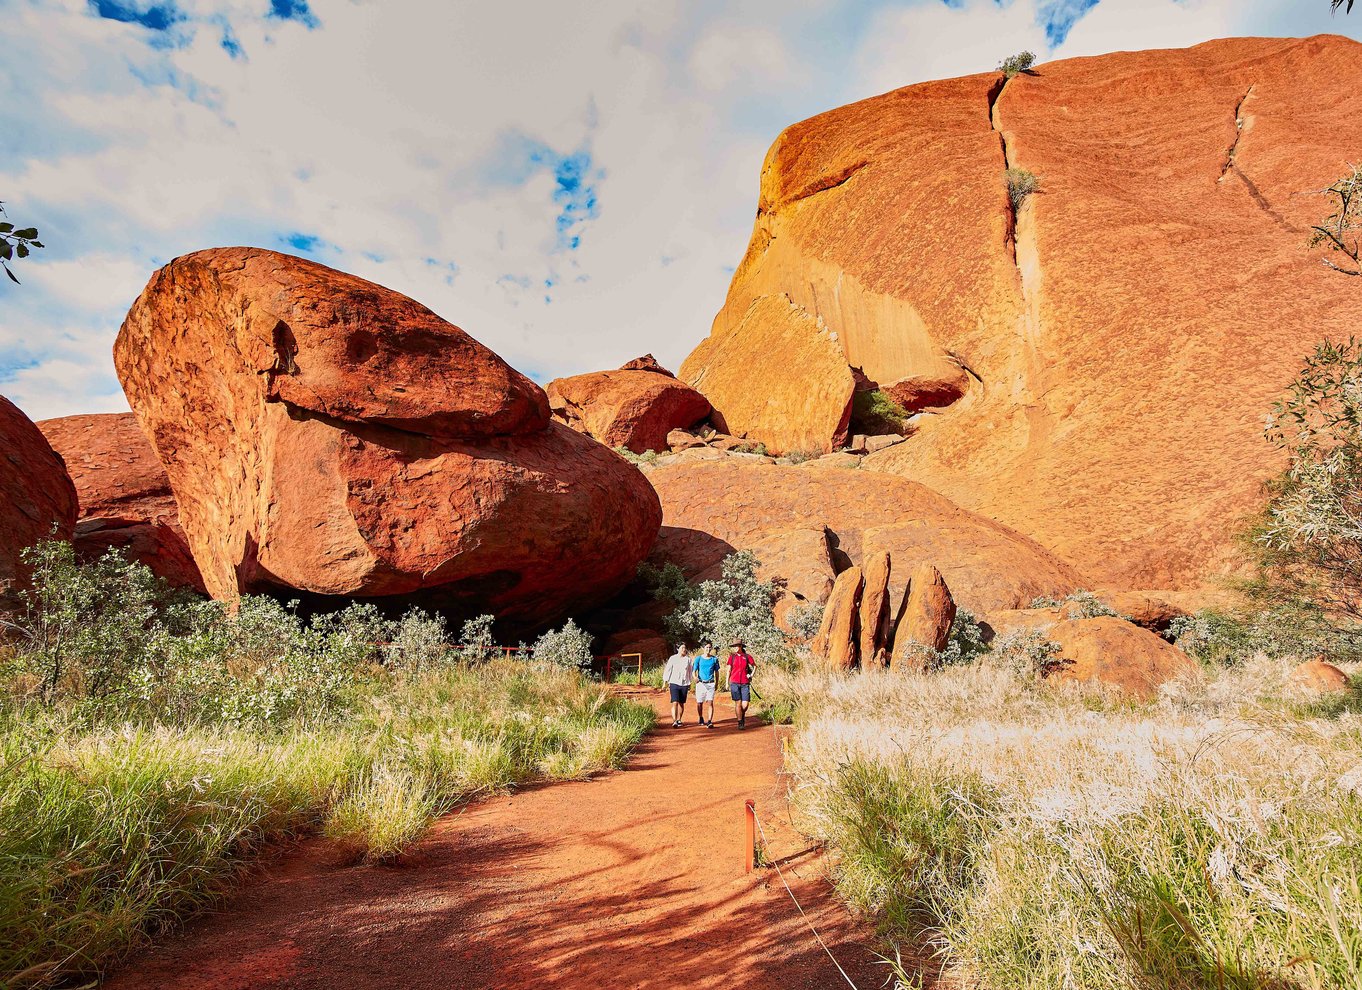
pixel 1054 837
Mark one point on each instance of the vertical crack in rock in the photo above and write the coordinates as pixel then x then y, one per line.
pixel 1238 133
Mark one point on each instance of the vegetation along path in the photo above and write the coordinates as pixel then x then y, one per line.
pixel 632 880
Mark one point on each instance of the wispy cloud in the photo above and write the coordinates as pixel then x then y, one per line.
pixel 571 183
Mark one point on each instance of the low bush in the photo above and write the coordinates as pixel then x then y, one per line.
pixel 566 647
pixel 1016 64
pixel 1021 183
pixel 876 413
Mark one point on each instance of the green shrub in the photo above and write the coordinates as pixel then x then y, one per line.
pixel 735 607
pixel 476 641
pixel 1021 183
pixel 1015 64
pixel 875 412
pixel 805 619
pixel 966 643
pixel 567 647
pixel 1025 651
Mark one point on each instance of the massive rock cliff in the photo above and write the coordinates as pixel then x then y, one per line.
pixel 325 434
pixel 1097 363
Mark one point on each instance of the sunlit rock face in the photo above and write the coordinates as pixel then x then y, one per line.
pixel 1095 365
pixel 325 434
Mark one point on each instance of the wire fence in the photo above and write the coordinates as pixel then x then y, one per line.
pixel 754 818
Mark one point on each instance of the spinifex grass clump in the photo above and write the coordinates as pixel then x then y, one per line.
pixel 137 781
pixel 1048 837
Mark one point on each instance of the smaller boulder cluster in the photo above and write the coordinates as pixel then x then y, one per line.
pixel 635 407
pixel 864 626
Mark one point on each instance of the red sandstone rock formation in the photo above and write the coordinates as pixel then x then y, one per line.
pixel 635 407
pixel 1318 677
pixel 37 498
pixel 836 642
pixel 1144 610
pixel 928 613
pixel 876 623
pixel 124 494
pixel 987 565
pixel 326 434
pixel 779 375
pixel 1113 652
pixel 1116 342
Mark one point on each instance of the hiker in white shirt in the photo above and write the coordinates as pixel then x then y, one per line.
pixel 676 675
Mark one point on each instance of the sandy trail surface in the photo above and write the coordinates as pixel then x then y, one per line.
pixel 632 880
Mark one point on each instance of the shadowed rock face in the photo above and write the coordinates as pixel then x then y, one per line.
pixel 634 407
pixel 324 434
pixel 1100 360
pixel 37 499
pixel 124 494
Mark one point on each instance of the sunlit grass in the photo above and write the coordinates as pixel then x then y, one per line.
pixel 108 835
pixel 1052 837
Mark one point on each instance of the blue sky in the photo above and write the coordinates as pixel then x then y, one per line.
pixel 572 183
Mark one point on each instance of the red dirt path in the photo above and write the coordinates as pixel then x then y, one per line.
pixel 630 881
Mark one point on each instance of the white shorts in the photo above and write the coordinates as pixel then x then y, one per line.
pixel 703 691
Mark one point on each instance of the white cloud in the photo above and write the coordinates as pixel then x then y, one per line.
pixel 431 147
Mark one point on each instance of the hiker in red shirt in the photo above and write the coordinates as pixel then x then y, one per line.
pixel 740 667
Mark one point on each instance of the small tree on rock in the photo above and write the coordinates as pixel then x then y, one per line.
pixel 1014 64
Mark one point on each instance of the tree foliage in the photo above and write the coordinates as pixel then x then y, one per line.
pixel 15 243
pixel 1339 231
pixel 737 606
pixel 1310 535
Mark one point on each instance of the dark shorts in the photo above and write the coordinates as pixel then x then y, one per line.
pixel 740 692
pixel 679 692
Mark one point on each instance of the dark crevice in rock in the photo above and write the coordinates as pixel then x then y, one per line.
pixel 1238 133
pixel 995 93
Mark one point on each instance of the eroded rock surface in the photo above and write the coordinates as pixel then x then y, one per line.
pixel 326 434
pixel 124 495
pixel 712 508
pixel 1115 343
pixel 37 498
pixel 635 407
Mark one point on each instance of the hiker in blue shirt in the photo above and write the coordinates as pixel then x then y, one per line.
pixel 706 667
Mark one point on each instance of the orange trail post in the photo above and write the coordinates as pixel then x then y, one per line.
pixel 750 843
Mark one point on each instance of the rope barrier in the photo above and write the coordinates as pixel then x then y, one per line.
pixel 781 873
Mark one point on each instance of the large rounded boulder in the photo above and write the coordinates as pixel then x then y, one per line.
pixel 1116 653
pixel 634 407
pixel 37 498
pixel 125 498
pixel 325 434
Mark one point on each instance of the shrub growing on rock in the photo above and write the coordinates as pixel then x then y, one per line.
pixel 1014 64
pixel 1021 183
pixel 875 412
